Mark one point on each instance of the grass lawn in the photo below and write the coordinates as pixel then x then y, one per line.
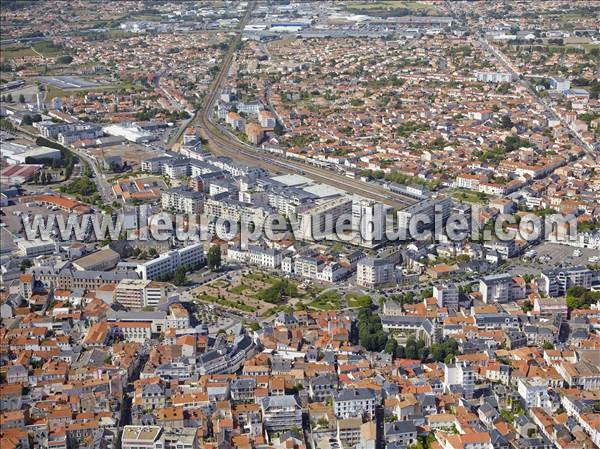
pixel 329 300
pixel 238 289
pixel 560 48
pixel 13 52
pixel 358 301
pixel 571 16
pixel 52 92
pixel 49 49
pixel 388 4
pixel 57 92
pixel 469 196
pixel 257 276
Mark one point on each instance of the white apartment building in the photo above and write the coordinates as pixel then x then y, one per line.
pixel 166 263
pixel 183 201
pixel 313 268
pixel 233 210
pixel 287 265
pixel 267 119
pixel 458 376
pixel 446 295
pixel 319 222
pixel 135 331
pixel 534 392
pixel 467 181
pixel 178 317
pixel 372 272
pixel 281 413
pixel 331 272
pixel 139 293
pixel 559 84
pixel 556 282
pixel 584 374
pixel 253 107
pixel 141 437
pixel 176 169
pixel 499 288
pixel 495 77
pixel 354 402
pixel 430 208
pixel 368 218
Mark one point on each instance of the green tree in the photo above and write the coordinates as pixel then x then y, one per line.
pixel 65 59
pixel 27 120
pixel 506 122
pixel 213 258
pixel 179 277
pixel 21 98
pixel 278 129
pixel 370 331
pixel 527 306
pixel 578 297
pixel 391 346
pixel 25 264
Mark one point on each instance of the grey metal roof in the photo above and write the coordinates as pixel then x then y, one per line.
pixel 354 394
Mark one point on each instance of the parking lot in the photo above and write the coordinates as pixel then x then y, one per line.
pixel 564 254
pixel 13 216
pixel 68 82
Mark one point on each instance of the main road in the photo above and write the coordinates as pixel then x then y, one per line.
pixel 224 144
pixel 550 110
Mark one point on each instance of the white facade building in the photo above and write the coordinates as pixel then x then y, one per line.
pixel 255 255
pixel 354 402
pixel 446 295
pixel 166 263
pixel 372 272
pixel 184 201
pixel 534 392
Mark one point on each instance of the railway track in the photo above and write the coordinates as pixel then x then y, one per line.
pixel 225 145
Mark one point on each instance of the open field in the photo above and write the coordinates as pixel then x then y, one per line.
pixel 388 4
pixel 13 52
pixel 392 8
pixel 468 196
